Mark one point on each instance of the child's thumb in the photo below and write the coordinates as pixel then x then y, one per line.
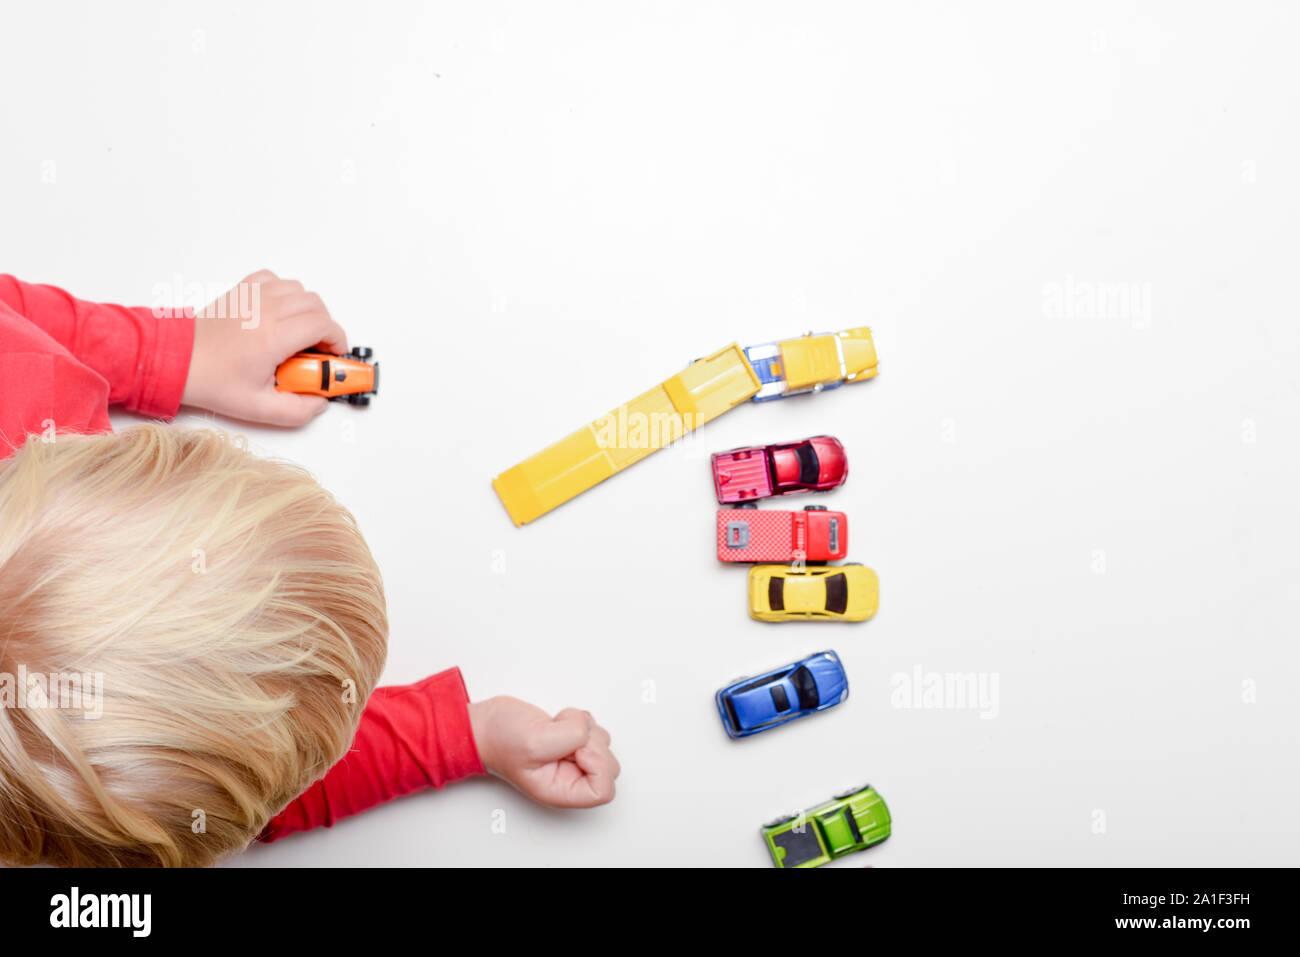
pixel 292 409
pixel 566 733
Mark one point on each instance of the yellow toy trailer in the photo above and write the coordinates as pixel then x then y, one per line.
pixel 703 391
pixel 661 416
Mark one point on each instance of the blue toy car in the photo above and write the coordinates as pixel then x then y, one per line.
pixel 750 705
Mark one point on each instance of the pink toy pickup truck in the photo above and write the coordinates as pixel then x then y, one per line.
pixel 813 465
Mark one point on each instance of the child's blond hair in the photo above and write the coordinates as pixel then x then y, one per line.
pixel 232 615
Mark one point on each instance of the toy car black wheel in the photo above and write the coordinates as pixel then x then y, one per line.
pixel 849 793
pixel 361 400
pixel 747 505
pixel 362 352
pixel 814 508
pixel 780 820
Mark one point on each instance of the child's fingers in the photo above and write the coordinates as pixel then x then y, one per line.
pixel 309 330
pixel 602 751
pixel 299 303
pixel 280 288
pixel 599 769
pixel 596 735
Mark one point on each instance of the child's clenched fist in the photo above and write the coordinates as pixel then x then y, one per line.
pixel 563 761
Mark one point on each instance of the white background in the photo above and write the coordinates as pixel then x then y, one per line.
pixel 534 211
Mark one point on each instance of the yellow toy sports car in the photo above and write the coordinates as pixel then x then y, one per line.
pixel 816 593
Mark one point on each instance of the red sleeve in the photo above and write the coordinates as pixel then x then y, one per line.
pixel 411 737
pixel 43 387
pixel 143 354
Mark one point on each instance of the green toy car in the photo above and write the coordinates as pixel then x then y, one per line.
pixel 852 821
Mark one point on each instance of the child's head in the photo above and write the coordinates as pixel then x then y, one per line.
pixel 188 634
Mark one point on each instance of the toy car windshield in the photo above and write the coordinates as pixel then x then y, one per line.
pixel 806 686
pixel 809 467
pixel 837 593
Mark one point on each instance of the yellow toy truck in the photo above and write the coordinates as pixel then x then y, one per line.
pixel 703 391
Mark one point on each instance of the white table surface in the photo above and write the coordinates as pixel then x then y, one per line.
pixel 535 211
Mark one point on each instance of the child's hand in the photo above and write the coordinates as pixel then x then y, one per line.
pixel 241 338
pixel 563 761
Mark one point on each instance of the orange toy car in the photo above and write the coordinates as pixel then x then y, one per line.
pixel 348 377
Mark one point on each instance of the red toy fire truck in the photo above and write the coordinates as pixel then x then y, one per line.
pixel 750 534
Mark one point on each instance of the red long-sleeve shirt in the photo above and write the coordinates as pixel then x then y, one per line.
pixel 63 362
